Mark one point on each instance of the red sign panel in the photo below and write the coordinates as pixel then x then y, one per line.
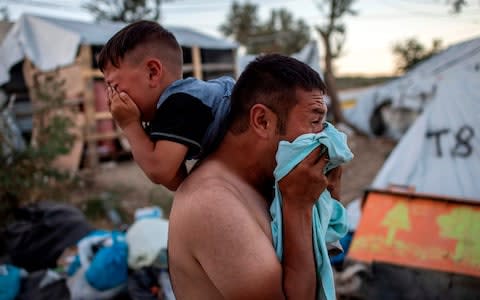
pixel 419 232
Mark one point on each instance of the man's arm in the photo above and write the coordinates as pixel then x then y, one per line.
pixel 300 189
pixel 161 161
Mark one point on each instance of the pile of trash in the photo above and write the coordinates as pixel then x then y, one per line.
pixel 52 252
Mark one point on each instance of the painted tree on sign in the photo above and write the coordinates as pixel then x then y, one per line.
pixel 463 225
pixel 397 218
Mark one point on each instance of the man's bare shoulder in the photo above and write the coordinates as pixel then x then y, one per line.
pixel 210 187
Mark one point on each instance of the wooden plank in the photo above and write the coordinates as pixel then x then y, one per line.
pixel 187 68
pixel 89 108
pixel 92 73
pixel 217 67
pixel 104 136
pixel 419 231
pixel 103 115
pixel 197 63
pixel 71 162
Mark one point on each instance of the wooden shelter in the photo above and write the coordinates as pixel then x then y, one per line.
pixel 37 48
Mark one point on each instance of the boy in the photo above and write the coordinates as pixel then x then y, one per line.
pixel 142 65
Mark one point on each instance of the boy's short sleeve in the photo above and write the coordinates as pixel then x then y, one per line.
pixel 184 119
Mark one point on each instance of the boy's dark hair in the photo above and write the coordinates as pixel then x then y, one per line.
pixel 159 41
pixel 271 80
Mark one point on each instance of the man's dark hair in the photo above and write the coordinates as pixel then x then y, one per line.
pixel 271 80
pixel 159 41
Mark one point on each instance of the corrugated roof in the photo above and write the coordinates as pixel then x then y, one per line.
pixel 51 43
pixel 99 33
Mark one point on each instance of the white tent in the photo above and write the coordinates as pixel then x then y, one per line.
pixel 440 153
pixel 410 94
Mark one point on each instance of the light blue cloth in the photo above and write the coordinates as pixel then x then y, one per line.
pixel 328 215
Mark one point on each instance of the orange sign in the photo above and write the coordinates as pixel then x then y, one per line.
pixel 419 231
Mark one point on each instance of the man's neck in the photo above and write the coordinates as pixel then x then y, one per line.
pixel 244 158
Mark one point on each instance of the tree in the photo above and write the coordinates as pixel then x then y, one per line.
pixel 280 34
pixel 242 23
pixel 462 224
pixel 29 174
pixel 411 52
pixel 125 10
pixel 333 38
pixel 396 219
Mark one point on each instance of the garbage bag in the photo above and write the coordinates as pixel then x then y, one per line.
pixel 146 238
pixel 108 267
pixel 80 288
pixel 10 279
pixel 42 232
pixel 143 284
pixel 43 285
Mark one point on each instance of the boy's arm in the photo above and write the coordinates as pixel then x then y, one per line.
pixel 161 161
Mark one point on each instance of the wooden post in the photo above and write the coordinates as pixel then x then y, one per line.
pixel 197 63
pixel 89 107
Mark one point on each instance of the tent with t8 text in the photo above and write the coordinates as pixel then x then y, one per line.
pixel 421 217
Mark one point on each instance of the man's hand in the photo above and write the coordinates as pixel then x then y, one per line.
pixel 306 181
pixel 334 176
pixel 122 107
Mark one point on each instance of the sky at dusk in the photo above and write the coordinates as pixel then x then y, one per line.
pixel 370 34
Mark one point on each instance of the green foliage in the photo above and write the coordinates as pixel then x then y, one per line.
pixel 281 33
pixel 125 10
pixel 411 52
pixel 29 175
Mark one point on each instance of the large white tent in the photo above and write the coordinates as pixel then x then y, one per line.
pixel 410 94
pixel 440 153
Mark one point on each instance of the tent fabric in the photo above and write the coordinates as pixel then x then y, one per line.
pixel 415 89
pixel 51 43
pixel 440 153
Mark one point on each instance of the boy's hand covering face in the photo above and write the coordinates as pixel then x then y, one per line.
pixel 122 107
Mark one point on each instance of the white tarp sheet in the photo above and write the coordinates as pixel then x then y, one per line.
pixel 416 88
pixel 51 43
pixel 440 153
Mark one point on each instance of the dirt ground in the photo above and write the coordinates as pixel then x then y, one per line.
pixel 134 190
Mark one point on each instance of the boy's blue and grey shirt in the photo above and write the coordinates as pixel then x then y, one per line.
pixel 193 112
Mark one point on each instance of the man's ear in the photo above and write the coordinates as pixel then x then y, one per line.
pixel 155 71
pixel 263 120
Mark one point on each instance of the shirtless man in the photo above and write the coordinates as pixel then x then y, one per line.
pixel 220 241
